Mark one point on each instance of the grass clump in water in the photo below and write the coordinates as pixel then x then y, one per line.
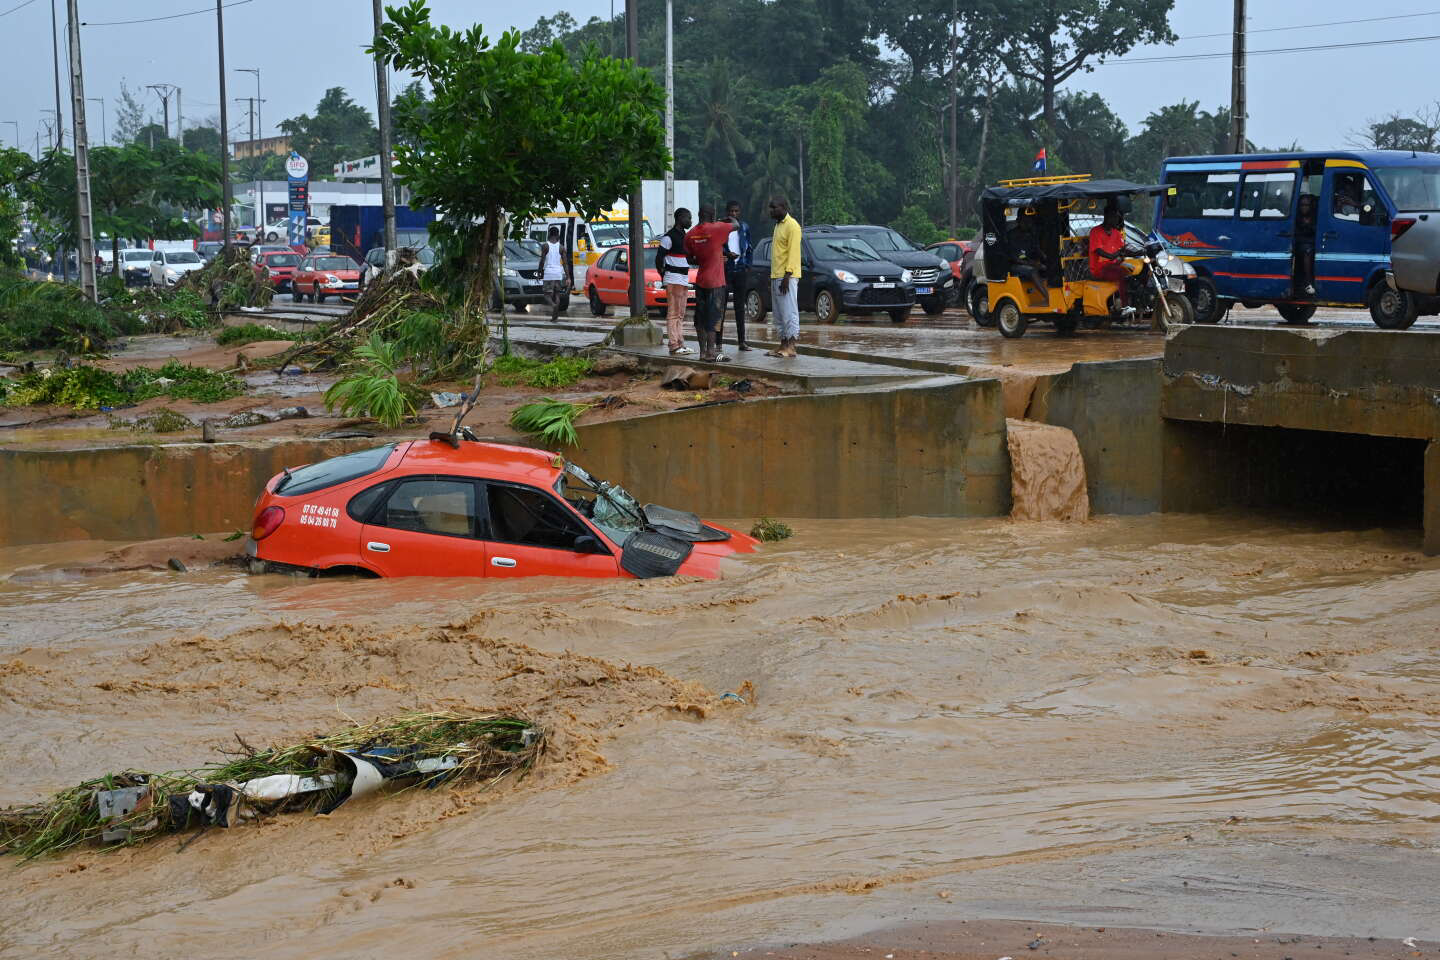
pixel 251 333
pixel 771 530
pixel 484 749
pixel 163 420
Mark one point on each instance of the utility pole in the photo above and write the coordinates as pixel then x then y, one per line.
pixel 179 120
pixel 224 128
pixel 84 219
pixel 1237 82
pixel 954 158
pixel 259 214
pixel 669 112
pixel 162 90
pixel 387 174
pixel 637 233
pixel 104 129
pixel 257 118
pixel 55 42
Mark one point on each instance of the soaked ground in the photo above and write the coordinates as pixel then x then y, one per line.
pixel 1192 723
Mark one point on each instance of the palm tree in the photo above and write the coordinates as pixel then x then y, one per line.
pixel 771 173
pixel 723 140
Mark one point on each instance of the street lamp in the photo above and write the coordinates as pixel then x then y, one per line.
pixel 104 130
pixel 260 224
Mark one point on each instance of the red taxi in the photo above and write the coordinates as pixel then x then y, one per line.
pixel 608 281
pixel 428 508
pixel 322 275
pixel 282 267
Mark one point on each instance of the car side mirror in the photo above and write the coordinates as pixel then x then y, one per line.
pixel 585 543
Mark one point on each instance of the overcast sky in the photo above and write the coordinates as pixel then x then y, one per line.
pixel 1316 98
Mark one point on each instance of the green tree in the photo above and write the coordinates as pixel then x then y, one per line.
pixel 130 116
pixel 204 139
pixel 16 168
pixel 143 193
pixel 723 141
pixel 839 109
pixel 514 134
pixel 340 129
pixel 409 109
pixel 546 31
pixel 1088 136
pixel 1052 40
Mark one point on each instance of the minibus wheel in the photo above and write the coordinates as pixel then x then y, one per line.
pixel 1296 314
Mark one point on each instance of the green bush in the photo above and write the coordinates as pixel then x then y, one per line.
pixel 561 372
pixel 90 388
pixel 252 333
pixel 44 316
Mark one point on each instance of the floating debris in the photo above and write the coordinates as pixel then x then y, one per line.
pixel 771 530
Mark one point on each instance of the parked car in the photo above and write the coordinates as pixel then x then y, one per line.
pixel 135 265
pixel 319 236
pixel 430 508
pixel 960 255
pixel 325 276
pixel 928 273
pixel 168 266
pixel 280 229
pixel 282 267
pixel 607 282
pixel 208 249
pixel 521 276
pixel 838 274
pixel 374 262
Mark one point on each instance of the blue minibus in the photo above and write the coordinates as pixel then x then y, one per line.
pixel 1296 230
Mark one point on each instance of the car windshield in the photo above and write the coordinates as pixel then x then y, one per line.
pixel 888 240
pixel 610 234
pixel 183 256
pixel 335 263
pixel 138 255
pixel 522 249
pixel 607 505
pixel 282 260
pixel 328 473
pixel 843 248
pixel 1412 188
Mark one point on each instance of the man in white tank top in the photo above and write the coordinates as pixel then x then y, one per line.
pixel 555 272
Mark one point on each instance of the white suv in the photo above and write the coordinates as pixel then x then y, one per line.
pixel 168 266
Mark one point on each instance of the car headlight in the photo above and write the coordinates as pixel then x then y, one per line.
pixel 171 272
pixel 904 276
pixel 331 278
pixel 656 285
pixel 507 272
pixel 845 276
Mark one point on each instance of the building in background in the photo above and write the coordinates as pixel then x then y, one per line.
pixel 262 147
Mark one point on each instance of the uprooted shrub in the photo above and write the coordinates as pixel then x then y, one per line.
pixel 161 309
pixel 91 388
pixel 230 281
pixel 36 315
pixel 373 388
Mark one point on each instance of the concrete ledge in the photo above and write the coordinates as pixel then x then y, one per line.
pixel 1377 382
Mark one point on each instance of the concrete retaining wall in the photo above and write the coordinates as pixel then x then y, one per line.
pixel 911 451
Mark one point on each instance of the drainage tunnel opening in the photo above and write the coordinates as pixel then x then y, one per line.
pixel 1343 480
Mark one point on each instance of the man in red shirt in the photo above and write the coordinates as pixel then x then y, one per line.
pixel 1106 260
pixel 707 246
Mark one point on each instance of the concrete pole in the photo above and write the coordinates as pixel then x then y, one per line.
pixel 84 219
pixel 637 214
pixel 1237 82
pixel 226 186
pixel 179 120
pixel 256 117
pixel 954 158
pixel 387 173
pixel 669 112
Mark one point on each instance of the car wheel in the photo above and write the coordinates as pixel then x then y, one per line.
pixel 1178 312
pixel 754 307
pixel 1011 321
pixel 272 236
pixel 979 305
pixel 597 306
pixel 1392 309
pixel 1299 314
pixel 827 310
pixel 900 316
pixel 1202 295
pixel 933 306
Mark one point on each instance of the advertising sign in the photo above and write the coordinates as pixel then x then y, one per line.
pixel 298 171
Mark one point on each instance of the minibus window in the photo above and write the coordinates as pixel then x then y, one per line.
pixel 1354 199
pixel 1267 196
pixel 1202 195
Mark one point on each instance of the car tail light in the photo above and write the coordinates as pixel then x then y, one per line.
pixel 1399 225
pixel 267 522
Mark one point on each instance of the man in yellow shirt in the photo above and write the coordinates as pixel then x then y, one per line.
pixel 785 276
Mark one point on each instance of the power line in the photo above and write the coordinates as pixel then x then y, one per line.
pixel 1306 26
pixel 173 16
pixel 20 7
pixel 1257 53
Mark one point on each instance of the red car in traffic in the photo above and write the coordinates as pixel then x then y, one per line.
pixel 607 282
pixel 325 275
pixel 282 267
pixel 427 508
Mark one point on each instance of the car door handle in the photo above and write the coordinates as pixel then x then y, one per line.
pixel 501 562
pixel 377 546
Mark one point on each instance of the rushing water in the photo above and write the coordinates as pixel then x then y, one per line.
pixel 930 698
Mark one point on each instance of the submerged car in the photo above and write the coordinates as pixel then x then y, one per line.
pixel 439 508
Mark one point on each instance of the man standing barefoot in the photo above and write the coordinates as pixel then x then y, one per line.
pixel 706 246
pixel 785 276
pixel 673 265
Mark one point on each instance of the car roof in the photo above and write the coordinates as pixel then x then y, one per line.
pixel 497 461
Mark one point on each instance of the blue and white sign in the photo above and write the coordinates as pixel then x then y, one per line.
pixel 297 168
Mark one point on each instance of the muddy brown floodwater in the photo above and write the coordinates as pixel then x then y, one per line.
pixel 1187 723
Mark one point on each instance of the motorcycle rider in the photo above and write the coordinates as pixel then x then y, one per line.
pixel 1107 260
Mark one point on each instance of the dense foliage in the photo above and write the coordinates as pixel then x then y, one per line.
pixel 91 388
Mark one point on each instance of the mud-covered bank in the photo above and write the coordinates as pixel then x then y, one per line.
pixel 1118 722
